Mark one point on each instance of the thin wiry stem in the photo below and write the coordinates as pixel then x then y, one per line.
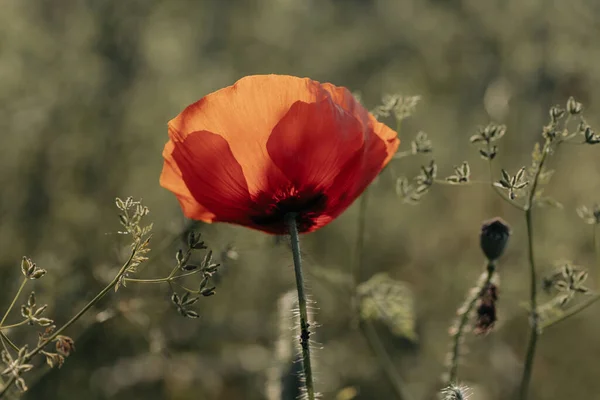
pixel 14 300
pixel 366 326
pixel 462 323
pixel 470 182
pixel 384 360
pixel 570 312
pixel 161 280
pixel 596 243
pixel 534 317
pixel 74 319
pixel 290 220
pixel 5 327
pixel 4 338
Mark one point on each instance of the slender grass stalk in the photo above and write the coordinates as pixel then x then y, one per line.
pixel 290 220
pixel 99 296
pixel 464 319
pixel 534 317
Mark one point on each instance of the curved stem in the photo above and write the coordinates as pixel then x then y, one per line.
pixel 25 321
pixel 3 337
pixel 12 304
pixel 290 220
pixel 464 318
pixel 60 330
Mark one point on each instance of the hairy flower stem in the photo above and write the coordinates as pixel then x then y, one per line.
pixel 534 317
pixel 290 220
pixel 99 296
pixel 464 318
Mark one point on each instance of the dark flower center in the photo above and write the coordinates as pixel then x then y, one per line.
pixel 271 208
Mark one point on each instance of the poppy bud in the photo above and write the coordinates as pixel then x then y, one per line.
pixel 493 238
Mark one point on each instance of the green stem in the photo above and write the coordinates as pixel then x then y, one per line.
pixel 360 237
pixel 13 302
pixel 464 318
pixel 290 220
pixel 3 337
pixel 384 360
pixel 367 328
pixel 534 317
pixel 596 243
pixel 533 335
pixel 470 182
pixel 14 325
pixel 60 330
pixel 570 312
pixel 161 280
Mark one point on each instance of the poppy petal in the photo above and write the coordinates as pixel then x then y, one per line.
pixel 213 176
pixel 312 143
pixel 269 145
pixel 359 172
pixel 171 179
pixel 344 99
pixel 244 114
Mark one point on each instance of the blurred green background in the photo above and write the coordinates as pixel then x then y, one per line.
pixel 87 88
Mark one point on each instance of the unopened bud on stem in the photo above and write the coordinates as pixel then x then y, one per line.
pixel 494 237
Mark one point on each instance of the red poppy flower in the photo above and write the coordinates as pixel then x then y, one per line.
pixel 270 145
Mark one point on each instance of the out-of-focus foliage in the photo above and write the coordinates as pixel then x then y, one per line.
pixel 86 90
pixel 390 302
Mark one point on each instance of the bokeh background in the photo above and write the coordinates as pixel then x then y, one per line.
pixel 86 90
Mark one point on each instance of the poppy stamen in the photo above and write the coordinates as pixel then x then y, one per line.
pixel 306 204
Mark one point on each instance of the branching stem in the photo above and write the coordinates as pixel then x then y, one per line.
pixel 14 301
pixel 74 319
